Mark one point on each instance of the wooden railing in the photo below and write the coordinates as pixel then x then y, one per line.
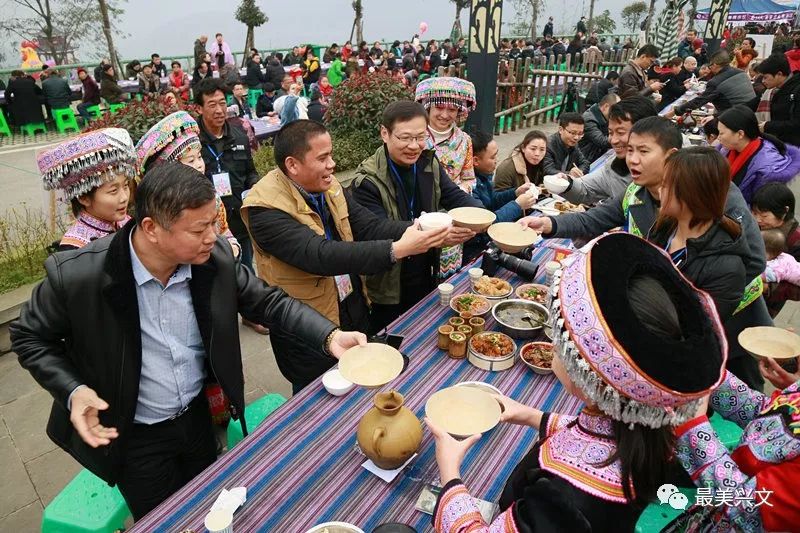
pixel 531 91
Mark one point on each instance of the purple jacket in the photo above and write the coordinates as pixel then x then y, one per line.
pixel 768 165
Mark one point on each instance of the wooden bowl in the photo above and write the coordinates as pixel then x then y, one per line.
pixel 771 342
pixel 474 218
pixel 463 411
pixel 512 238
pixel 371 366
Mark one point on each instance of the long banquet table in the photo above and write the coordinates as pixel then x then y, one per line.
pixel 302 466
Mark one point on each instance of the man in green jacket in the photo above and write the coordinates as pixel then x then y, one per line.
pixel 400 181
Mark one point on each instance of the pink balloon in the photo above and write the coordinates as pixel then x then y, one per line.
pixel 423 27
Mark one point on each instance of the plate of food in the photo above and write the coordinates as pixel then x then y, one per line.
pixel 533 292
pixel 474 304
pixel 493 288
pixel 463 411
pixel 538 356
pixel 563 206
pixel 492 351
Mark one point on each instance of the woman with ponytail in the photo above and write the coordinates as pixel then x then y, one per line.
pixel 708 247
pixel 755 158
pixel 641 347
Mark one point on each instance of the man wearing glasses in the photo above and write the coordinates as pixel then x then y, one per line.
pixel 563 154
pixel 400 181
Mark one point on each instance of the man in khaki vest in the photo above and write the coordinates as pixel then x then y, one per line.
pixel 313 241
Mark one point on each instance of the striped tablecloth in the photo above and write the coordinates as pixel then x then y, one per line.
pixel 302 466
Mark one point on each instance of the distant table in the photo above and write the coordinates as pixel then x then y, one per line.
pixel 264 128
pixel 302 467
pixel 127 86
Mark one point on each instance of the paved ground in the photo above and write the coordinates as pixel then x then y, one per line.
pixel 33 469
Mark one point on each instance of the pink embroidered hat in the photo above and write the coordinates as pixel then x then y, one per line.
pixel 87 161
pixel 447 91
pixel 634 373
pixel 167 140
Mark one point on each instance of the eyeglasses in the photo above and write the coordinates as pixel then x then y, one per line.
pixel 574 133
pixel 407 140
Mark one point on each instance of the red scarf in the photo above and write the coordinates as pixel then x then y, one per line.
pixel 738 159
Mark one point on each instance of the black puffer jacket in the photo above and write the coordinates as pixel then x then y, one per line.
pixel 714 263
pixel 81 326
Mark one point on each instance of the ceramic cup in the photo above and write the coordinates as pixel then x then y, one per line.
pixel 219 521
pixel 445 293
pixel 550 269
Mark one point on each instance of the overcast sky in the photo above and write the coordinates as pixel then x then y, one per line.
pixel 171 26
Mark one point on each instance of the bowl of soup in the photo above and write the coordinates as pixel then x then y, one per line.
pixel 510 318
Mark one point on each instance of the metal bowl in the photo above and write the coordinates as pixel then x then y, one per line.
pixel 516 332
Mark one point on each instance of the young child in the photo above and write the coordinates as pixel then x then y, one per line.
pixel 92 171
pixel 780 265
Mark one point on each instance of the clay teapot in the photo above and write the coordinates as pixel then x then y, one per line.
pixel 389 433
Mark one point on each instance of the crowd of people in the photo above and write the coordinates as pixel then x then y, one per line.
pixel 176 236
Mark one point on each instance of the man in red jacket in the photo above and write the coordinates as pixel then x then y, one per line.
pixel 91 95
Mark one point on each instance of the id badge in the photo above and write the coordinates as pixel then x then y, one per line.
pixel 222 183
pixel 344 286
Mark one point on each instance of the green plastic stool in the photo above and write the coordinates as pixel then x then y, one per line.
pixel 4 129
pixel 86 505
pixel 254 414
pixel 32 128
pixel 65 120
pixel 252 97
pixel 728 432
pixel 95 111
pixel 113 108
pixel 656 516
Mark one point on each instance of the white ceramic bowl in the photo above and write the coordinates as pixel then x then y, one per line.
pixel 334 383
pixel 555 183
pixel 428 221
pixel 335 527
pixel 491 389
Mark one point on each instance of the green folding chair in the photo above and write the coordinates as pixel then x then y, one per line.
pixel 32 128
pixel 65 120
pixel 4 129
pixel 86 505
pixel 255 413
pixel 113 108
pixel 252 97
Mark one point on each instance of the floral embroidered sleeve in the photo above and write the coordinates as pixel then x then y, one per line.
pixel 707 462
pixel 737 402
pixel 456 512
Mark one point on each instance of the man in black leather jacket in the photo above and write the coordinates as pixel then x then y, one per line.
pixel 108 314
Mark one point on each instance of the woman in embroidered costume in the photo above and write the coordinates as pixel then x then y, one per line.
pixel 642 348
pixel 93 172
pixel 760 478
pixel 448 102
pixel 175 138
